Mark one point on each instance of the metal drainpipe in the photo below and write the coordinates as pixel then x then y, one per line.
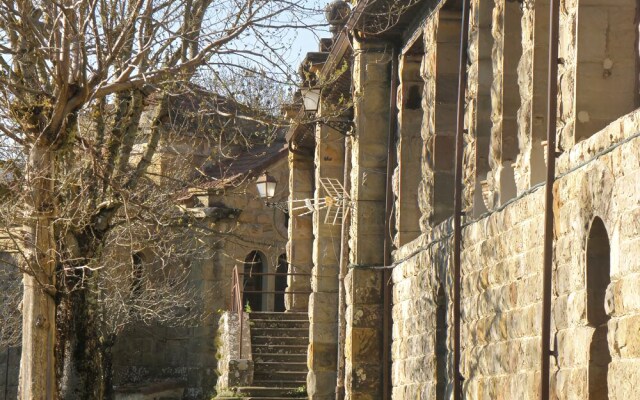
pixel 457 202
pixel 387 322
pixel 554 17
pixel 344 260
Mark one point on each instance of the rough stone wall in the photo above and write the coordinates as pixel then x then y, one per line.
pixel 421 349
pixel 9 372
pixel 233 371
pixel 147 354
pixel 501 288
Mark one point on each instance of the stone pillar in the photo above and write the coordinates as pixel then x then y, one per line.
pixel 409 149
pixel 323 302
pixel 363 344
pixel 479 102
pixel 533 74
pixel 505 100
pixel 299 247
pixel 440 73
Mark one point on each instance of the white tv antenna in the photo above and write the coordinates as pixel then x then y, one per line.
pixel 334 201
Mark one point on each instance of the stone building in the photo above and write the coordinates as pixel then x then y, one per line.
pixel 245 233
pixel 217 187
pixel 386 316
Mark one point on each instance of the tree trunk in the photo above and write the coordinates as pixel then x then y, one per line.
pixel 107 367
pixel 37 366
pixel 80 355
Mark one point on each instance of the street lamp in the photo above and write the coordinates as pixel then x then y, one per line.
pixel 266 185
pixel 310 99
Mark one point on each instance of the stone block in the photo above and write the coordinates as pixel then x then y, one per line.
pixel 364 345
pixel 364 381
pixel 321 384
pixel 323 355
pixel 326 333
pixel 323 307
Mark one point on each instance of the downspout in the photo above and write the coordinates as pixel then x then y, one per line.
pixel 344 261
pixel 552 111
pixel 387 322
pixel 457 202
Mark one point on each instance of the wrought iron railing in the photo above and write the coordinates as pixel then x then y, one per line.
pixel 236 304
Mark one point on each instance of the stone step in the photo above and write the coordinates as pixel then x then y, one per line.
pixel 261 366
pixel 277 323
pixel 281 383
pixel 279 341
pixel 278 375
pixel 280 357
pixel 261 398
pixel 280 332
pixel 279 349
pixel 271 392
pixel 278 315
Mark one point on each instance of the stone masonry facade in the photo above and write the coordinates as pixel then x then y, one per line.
pixel 595 310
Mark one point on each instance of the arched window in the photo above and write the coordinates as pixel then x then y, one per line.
pixel 598 278
pixel 254 267
pixel 281 283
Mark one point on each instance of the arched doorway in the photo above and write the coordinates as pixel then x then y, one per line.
pixel 252 280
pixel 281 283
pixel 598 278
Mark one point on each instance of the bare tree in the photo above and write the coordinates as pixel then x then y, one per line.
pixel 86 94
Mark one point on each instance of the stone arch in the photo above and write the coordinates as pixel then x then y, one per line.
pixel 255 265
pixel 598 278
pixel 606 59
pixel 280 283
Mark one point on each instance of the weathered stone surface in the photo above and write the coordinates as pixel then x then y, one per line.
pixel 233 370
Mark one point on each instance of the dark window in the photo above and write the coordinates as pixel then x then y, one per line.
pixel 281 283
pixel 598 278
pixel 252 281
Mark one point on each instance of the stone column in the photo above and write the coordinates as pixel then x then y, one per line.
pixel 505 100
pixel 479 102
pixel 323 302
pixel 363 344
pixel 299 247
pixel 440 73
pixel 533 74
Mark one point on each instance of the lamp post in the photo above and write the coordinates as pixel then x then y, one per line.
pixel 310 99
pixel 310 102
pixel 266 185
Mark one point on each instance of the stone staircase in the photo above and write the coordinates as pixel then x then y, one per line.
pixel 279 344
